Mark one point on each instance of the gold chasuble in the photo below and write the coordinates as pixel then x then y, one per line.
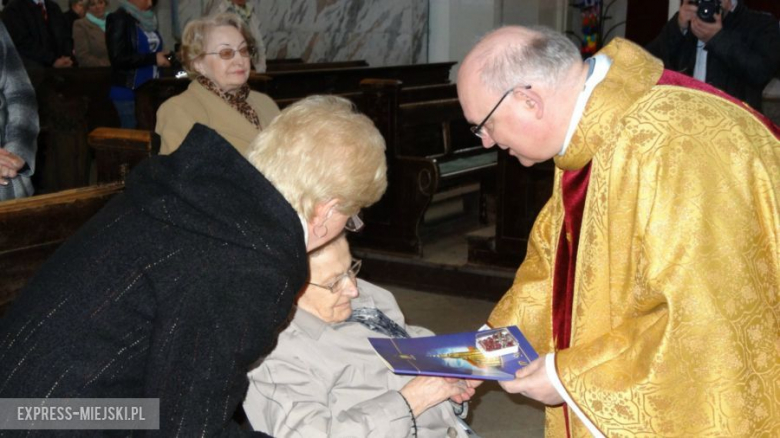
pixel 675 309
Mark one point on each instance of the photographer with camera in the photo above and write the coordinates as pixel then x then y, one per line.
pixel 722 43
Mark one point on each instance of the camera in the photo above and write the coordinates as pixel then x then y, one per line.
pixel 707 9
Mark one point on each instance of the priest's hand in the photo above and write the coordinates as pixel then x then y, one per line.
pixel 532 382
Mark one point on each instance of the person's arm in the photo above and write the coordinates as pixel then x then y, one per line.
pixel 174 122
pixel 198 361
pixel 755 64
pixel 21 128
pixel 667 45
pixel 120 49
pixel 288 398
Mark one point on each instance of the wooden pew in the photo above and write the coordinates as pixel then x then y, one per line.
pixel 300 66
pixel 430 149
pixel 295 84
pixel 521 193
pixel 119 150
pixel 33 228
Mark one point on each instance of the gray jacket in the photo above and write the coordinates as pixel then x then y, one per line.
pixel 18 117
pixel 326 380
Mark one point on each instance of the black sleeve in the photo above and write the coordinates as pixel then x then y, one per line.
pixel 754 63
pixel 668 44
pixel 120 49
pixel 199 362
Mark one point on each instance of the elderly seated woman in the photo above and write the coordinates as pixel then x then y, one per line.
pixel 324 379
pixel 216 52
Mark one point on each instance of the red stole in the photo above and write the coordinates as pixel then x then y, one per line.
pixel 574 188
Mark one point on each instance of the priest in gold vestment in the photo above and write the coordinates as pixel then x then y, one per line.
pixel 651 286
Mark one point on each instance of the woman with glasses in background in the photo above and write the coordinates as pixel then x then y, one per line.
pixel 324 378
pixel 216 53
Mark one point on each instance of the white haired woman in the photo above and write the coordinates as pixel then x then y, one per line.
pixel 216 53
pixel 183 281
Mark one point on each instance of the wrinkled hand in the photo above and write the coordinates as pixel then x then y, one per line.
pixel 705 31
pixel 162 59
pixel 10 164
pixel 63 62
pixel 424 392
pixel 686 15
pixel 532 382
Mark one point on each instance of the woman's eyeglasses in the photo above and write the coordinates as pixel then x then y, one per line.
pixel 354 224
pixel 228 53
pixel 341 282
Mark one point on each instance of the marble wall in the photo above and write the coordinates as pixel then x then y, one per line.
pixel 379 31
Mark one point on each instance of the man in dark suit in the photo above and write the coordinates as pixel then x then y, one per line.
pixel 737 50
pixel 39 32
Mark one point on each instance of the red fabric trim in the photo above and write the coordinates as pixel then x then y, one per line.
pixel 574 189
pixel 670 77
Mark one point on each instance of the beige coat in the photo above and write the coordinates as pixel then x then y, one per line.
pixel 89 42
pixel 178 114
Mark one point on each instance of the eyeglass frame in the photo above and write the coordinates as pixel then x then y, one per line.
pixel 354 224
pixel 351 274
pixel 250 51
pixel 477 129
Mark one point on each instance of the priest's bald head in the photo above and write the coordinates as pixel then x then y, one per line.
pixel 518 87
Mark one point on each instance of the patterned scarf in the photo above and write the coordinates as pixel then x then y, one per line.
pixel 146 19
pixel 236 100
pixel 377 321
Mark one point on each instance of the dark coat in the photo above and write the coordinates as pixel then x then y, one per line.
pixel 18 118
pixel 122 45
pixel 172 290
pixel 741 58
pixel 37 41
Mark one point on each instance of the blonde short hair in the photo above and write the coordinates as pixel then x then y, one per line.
pixel 320 148
pixel 196 33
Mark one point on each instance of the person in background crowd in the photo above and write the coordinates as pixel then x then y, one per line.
pixel 738 52
pixel 89 36
pixel 40 33
pixel 135 50
pixel 18 123
pixel 176 287
pixel 215 53
pixel 324 378
pixel 247 10
pixel 76 10
pixel 654 266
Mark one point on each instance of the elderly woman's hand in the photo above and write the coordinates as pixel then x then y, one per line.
pixel 423 392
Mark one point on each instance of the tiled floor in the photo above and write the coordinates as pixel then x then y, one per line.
pixel 494 413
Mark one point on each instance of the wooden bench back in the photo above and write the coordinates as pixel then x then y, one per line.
pixel 33 228
pixel 294 84
pixel 300 66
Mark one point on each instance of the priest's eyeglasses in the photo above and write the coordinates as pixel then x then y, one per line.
pixel 338 284
pixel 228 53
pixel 478 130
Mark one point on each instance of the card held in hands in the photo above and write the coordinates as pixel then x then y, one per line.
pixel 494 354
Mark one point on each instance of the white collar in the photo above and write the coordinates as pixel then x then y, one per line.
pixel 601 66
pixel 305 225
